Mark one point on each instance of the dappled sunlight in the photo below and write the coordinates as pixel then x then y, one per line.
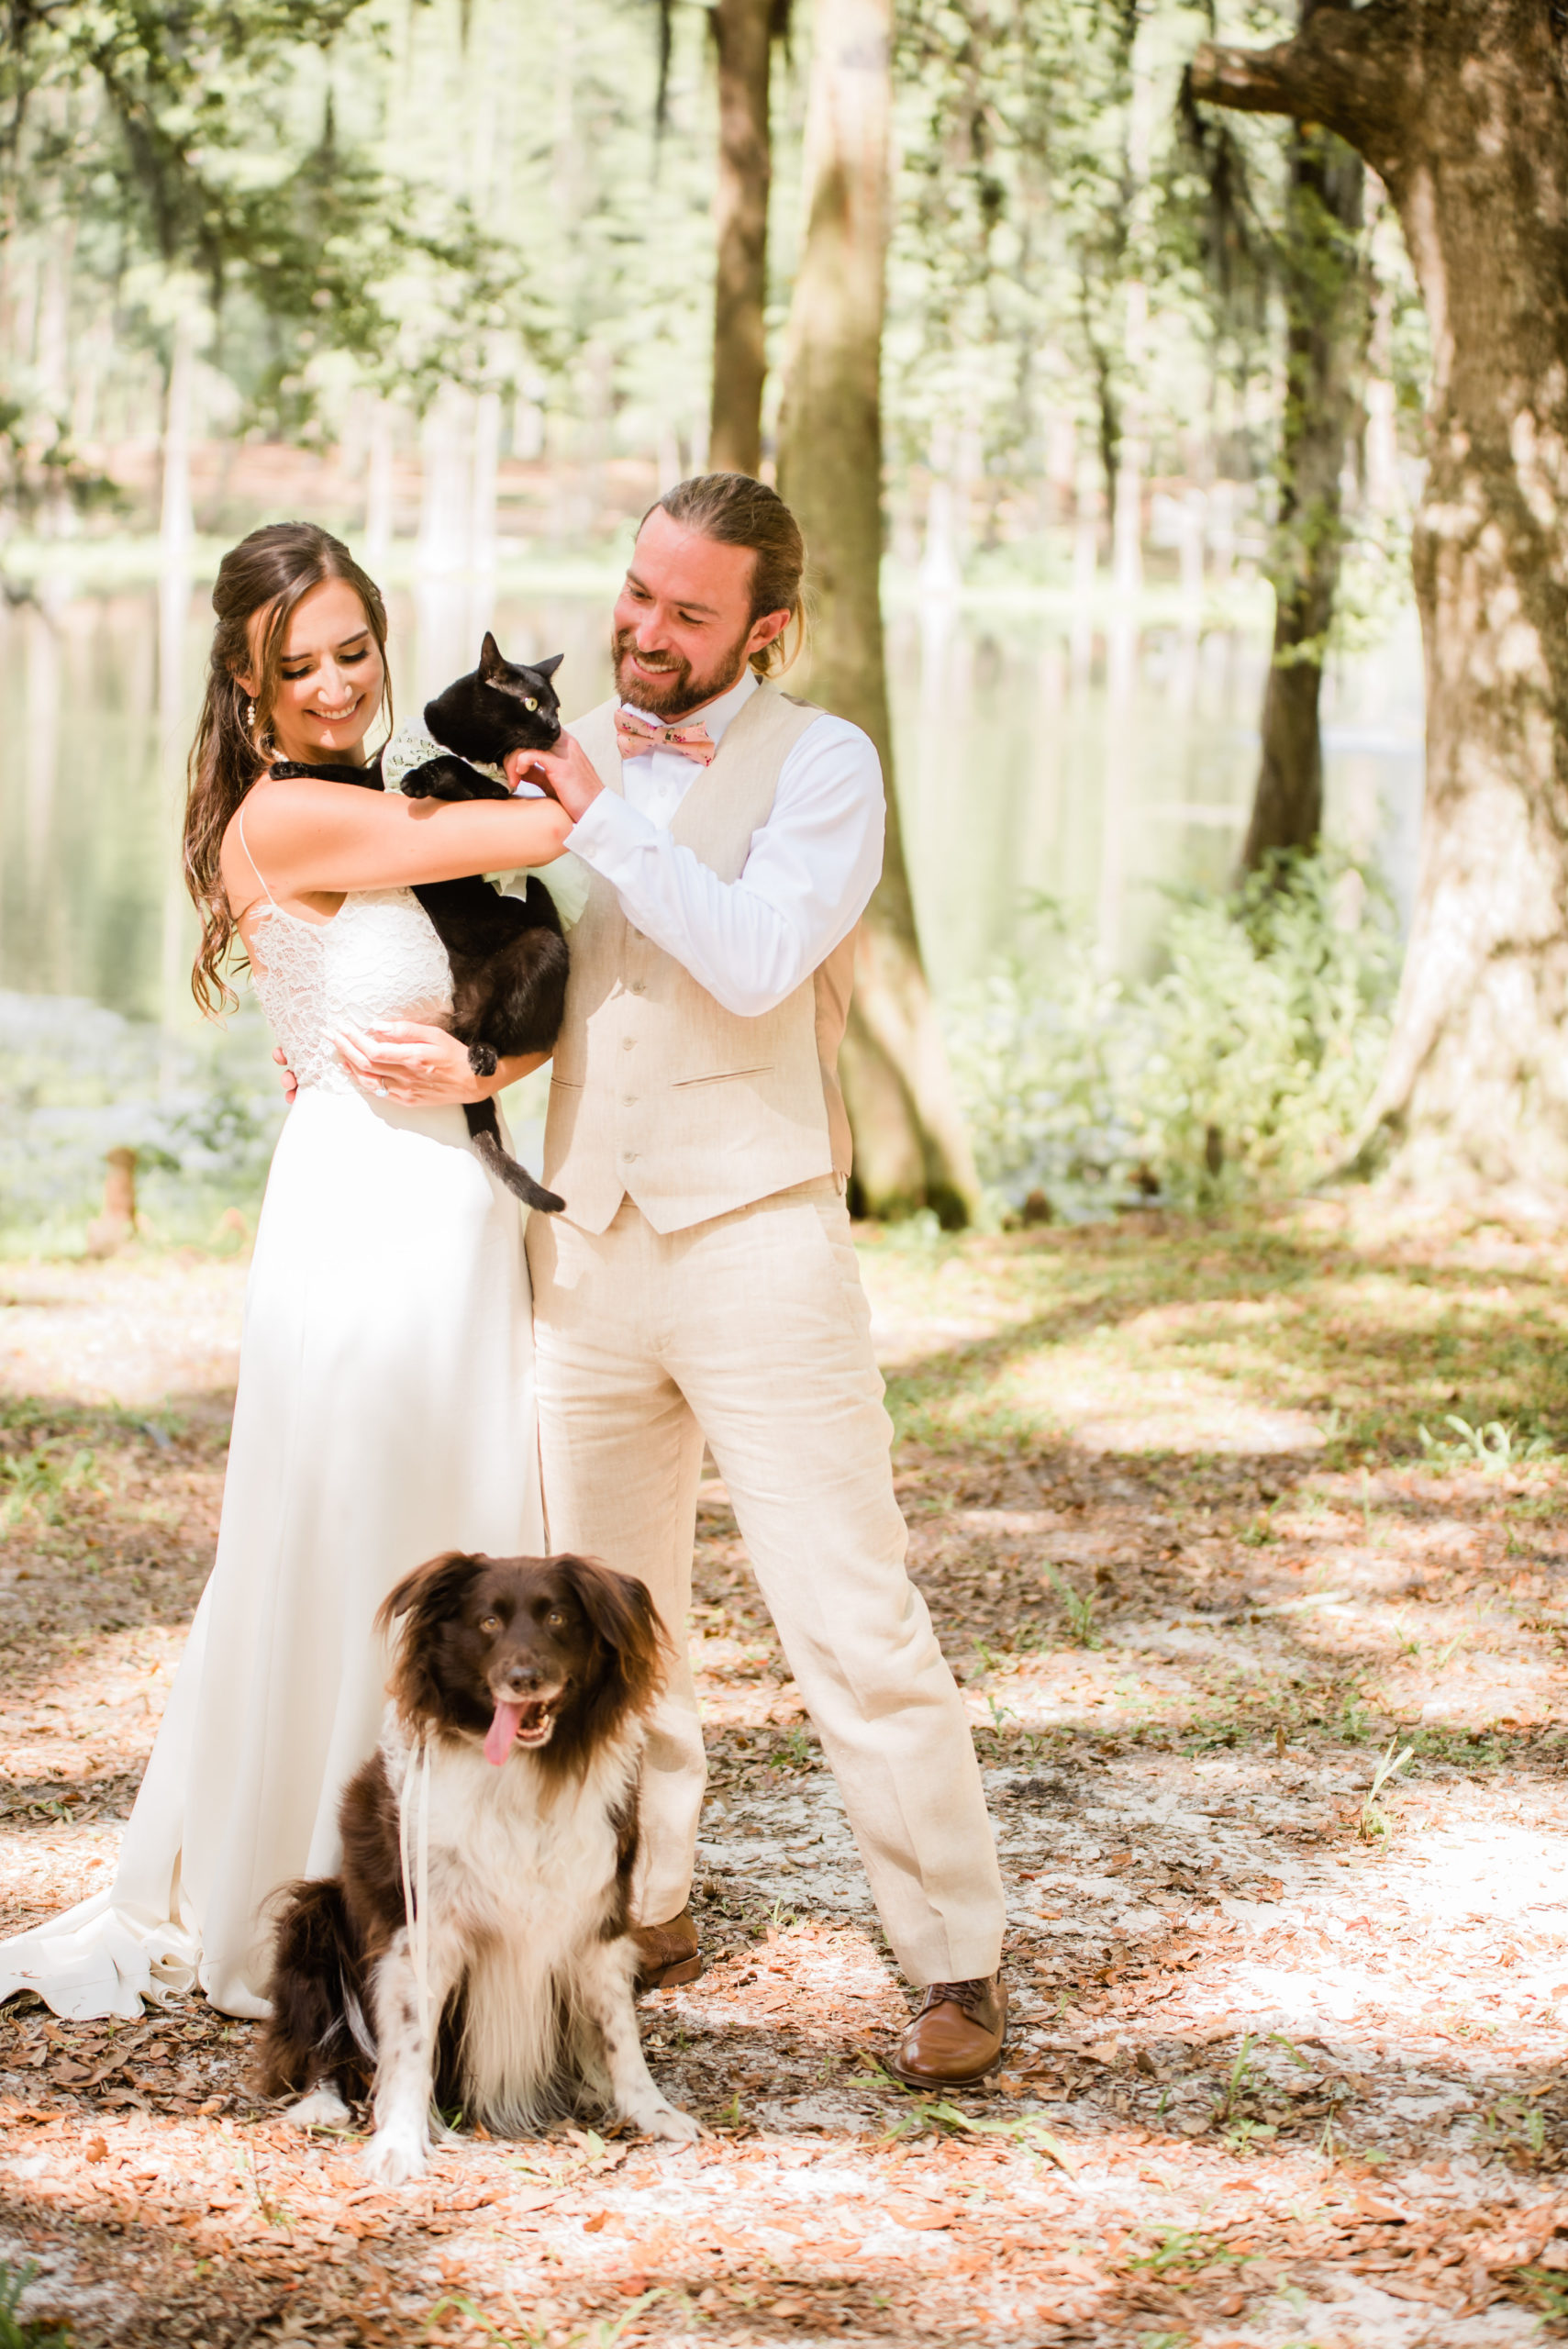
pixel 127 1333
pixel 1269 1738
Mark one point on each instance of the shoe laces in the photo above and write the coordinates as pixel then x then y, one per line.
pixel 967 1995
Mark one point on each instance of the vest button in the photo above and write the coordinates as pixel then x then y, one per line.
pixel 639 986
pixel 626 1157
pixel 628 1100
pixel 627 1042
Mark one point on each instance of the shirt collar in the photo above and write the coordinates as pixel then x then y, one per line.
pixel 715 714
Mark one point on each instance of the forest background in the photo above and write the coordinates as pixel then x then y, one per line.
pixel 445 277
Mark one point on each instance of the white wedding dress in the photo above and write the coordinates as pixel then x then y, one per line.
pixel 385 1412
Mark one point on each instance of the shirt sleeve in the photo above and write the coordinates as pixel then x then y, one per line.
pixel 807 879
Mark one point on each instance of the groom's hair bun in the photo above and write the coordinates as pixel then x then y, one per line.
pixel 738 511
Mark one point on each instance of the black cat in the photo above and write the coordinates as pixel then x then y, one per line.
pixel 507 954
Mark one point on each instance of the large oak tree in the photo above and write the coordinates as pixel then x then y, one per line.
pixel 1462 109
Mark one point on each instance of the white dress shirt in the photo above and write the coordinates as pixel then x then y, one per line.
pixel 808 874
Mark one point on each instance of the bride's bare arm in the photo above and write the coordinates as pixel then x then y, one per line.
pixel 307 836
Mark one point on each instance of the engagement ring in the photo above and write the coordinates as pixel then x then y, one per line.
pixel 381 1085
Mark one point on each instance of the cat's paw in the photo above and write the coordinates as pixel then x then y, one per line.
pixel 450 778
pixel 483 1060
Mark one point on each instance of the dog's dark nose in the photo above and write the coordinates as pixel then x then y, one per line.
pixel 519 1678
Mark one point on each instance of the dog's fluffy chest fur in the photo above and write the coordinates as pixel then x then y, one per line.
pixel 512 1853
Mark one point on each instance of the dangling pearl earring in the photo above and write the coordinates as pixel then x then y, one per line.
pixel 250 716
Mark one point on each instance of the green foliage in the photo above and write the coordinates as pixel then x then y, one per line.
pixel 1078 1610
pixel 1374 1825
pixel 77 1081
pixel 1497 1447
pixel 17 2332
pixel 1241 1071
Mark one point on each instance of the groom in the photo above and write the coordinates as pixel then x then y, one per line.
pixel 701 1282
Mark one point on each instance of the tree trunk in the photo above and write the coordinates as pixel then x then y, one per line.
pixel 742 32
pixel 1459 107
pixel 911 1149
pixel 1326 349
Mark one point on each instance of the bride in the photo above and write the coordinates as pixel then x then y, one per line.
pixel 386 1405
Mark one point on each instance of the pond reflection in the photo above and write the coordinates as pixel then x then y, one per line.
pixel 1093 767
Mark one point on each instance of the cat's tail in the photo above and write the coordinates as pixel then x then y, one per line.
pixel 484 1131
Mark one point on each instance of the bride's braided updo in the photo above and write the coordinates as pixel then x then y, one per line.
pixel 268 572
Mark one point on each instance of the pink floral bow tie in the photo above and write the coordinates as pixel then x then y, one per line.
pixel 636 735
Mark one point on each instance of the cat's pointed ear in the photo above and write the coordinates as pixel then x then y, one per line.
pixel 491 662
pixel 547 668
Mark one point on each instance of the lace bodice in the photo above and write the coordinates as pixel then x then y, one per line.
pixel 378 958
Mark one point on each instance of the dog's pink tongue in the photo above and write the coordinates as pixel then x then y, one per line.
pixel 503 1731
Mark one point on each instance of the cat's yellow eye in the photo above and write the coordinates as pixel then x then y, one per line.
pixel 529 702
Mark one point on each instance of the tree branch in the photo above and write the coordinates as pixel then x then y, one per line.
pixel 1347 68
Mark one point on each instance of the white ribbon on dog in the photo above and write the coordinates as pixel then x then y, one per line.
pixel 417 1878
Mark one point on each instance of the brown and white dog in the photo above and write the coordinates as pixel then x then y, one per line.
pixel 476 1948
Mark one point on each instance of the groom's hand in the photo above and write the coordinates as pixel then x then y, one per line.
pixel 567 773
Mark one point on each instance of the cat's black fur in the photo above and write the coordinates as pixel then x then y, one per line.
pixel 507 954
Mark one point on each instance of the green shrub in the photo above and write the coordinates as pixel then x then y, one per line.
pixel 1241 1071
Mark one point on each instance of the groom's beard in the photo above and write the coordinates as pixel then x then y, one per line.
pixel 679 688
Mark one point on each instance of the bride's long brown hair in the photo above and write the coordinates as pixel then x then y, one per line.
pixel 270 571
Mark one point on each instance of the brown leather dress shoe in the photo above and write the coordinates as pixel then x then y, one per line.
pixel 956 2037
pixel 667 1953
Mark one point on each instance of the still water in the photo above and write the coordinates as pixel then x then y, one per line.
pixel 1094 768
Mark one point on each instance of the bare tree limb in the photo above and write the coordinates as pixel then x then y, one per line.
pixel 1347 68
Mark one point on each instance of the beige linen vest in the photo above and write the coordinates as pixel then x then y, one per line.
pixel 659 1091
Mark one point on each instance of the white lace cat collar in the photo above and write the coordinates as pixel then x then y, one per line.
pixel 566 878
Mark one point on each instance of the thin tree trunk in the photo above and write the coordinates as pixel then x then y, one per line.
pixel 911 1147
pixel 1327 312
pixel 742 31
pixel 1459 107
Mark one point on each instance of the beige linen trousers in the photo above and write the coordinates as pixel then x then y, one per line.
pixel 754 1329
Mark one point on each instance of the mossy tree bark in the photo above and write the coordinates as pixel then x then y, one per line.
pixel 1326 349
pixel 911 1147
pixel 743 38
pixel 1462 108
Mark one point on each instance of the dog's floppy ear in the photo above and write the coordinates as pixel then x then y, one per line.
pixel 622 1613
pixel 431 1588
pixel 425 1599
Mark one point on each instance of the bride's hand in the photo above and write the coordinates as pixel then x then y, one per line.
pixel 403 1060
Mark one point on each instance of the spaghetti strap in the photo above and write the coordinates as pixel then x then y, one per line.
pixel 254 866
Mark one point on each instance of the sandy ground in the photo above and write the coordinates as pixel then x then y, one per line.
pixel 1285 2063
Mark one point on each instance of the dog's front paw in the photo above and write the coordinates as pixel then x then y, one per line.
pixel 394 2155
pixel 667 2120
pixel 322 2109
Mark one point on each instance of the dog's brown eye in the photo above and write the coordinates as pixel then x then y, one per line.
pixel 555 1619
pixel 491 1623
pixel 529 702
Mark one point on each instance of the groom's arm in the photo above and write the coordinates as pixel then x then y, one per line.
pixel 808 874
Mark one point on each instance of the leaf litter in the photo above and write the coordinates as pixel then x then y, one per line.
pixel 1284 2060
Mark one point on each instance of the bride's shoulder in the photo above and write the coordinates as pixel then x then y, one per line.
pixel 268 825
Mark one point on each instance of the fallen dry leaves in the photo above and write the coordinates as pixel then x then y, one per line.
pixel 1284 2066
